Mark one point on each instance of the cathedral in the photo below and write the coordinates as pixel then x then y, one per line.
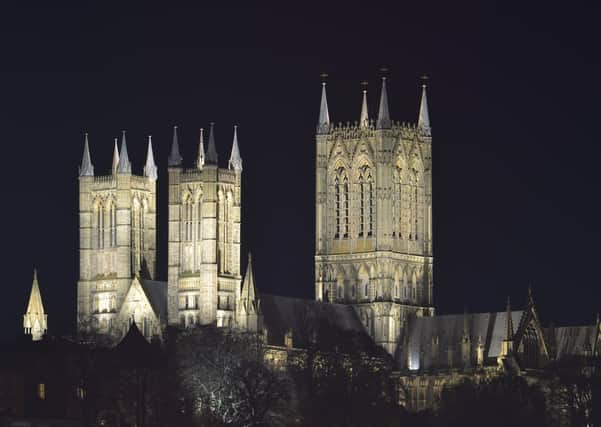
pixel 373 257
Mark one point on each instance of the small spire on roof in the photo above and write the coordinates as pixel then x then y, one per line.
pixel 248 295
pixel 35 320
pixel 423 121
pixel 115 158
pixel 200 161
pixel 212 157
pixel 323 124
pixel 86 168
pixel 150 169
pixel 364 119
pixel 383 113
pixel 124 165
pixel 235 159
pixel 175 158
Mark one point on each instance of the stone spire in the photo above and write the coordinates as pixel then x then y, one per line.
pixel 323 125
pixel 150 169
pixel 248 296
pixel 235 159
pixel 200 161
pixel 124 165
pixel 115 157
pixel 211 157
pixel 175 158
pixel 35 320
pixel 364 120
pixel 423 121
pixel 86 168
pixel 383 113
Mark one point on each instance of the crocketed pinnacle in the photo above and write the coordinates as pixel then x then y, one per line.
pixel 115 158
pixel 235 159
pixel 423 121
pixel 124 165
pixel 248 294
pixel 175 158
pixel 364 120
pixel 35 320
pixel 86 168
pixel 211 157
pixel 200 161
pixel 323 125
pixel 150 169
pixel 383 113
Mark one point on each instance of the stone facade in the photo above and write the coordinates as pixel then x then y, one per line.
pixel 374 219
pixel 204 239
pixel 117 239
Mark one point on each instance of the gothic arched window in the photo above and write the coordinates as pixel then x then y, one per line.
pixel 112 211
pixel 366 202
pixel 397 201
pixel 341 208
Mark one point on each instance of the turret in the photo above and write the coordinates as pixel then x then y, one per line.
pixel 124 165
pixel 235 159
pixel 35 320
pixel 86 168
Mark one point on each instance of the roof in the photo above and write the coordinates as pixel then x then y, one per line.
pixel 156 292
pixel 449 329
pixel 573 340
pixel 281 314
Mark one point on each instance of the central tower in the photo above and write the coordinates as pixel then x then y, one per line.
pixel 204 236
pixel 374 217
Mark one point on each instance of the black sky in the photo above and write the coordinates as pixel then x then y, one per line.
pixel 514 97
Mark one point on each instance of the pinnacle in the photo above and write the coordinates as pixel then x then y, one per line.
pixel 86 168
pixel 175 158
pixel 150 169
pixel 323 124
pixel 383 113
pixel 235 159
pixel 124 165
pixel 211 157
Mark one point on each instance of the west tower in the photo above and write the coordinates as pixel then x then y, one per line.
pixel 117 237
pixel 204 236
pixel 374 217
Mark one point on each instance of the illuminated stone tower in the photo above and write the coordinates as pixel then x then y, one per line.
pixel 374 217
pixel 204 236
pixel 117 236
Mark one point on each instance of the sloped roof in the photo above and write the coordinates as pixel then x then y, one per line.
pixel 281 314
pixel 449 329
pixel 156 292
pixel 573 340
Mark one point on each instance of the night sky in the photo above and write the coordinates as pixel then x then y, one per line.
pixel 514 105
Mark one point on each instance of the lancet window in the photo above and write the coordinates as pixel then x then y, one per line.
pixel 98 224
pixel 366 202
pixel 137 234
pixel 397 202
pixel 341 213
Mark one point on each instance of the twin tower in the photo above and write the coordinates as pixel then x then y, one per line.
pixel 118 225
pixel 373 239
